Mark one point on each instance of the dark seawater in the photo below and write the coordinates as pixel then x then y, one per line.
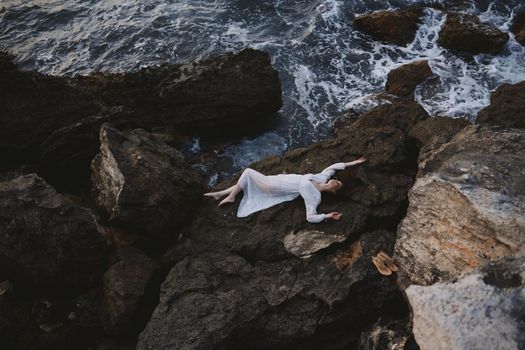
pixel 325 66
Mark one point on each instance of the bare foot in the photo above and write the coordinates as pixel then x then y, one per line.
pixel 214 195
pixel 227 200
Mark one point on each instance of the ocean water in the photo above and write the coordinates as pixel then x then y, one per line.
pixel 325 65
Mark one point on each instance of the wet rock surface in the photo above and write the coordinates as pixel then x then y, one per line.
pixel 45 240
pixel 234 281
pixel 403 80
pixel 465 33
pixel 436 130
pixel 518 27
pixel 142 183
pixel 394 27
pixel 125 284
pixel 466 207
pixel 478 311
pixel 506 107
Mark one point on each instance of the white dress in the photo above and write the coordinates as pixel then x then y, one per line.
pixel 264 191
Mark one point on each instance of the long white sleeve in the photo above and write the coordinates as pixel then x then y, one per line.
pixel 312 216
pixel 312 198
pixel 327 173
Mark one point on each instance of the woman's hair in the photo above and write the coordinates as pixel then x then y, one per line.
pixel 338 186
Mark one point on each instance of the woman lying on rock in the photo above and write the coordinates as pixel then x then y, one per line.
pixel 263 191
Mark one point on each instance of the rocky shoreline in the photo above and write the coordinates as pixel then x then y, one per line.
pixel 106 242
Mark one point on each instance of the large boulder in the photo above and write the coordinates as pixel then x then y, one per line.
pixel 466 207
pixel 33 106
pixel 518 27
pixel 403 80
pixel 142 183
pixel 466 33
pixel 437 129
pixel 274 279
pixel 221 299
pixel 393 27
pixel 66 154
pixel 240 91
pixel 47 241
pixel 237 92
pixel 506 107
pixel 481 310
pixel 125 284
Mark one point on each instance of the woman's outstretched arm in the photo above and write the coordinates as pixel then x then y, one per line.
pixel 355 162
pixel 330 171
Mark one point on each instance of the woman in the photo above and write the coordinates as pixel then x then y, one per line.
pixel 263 191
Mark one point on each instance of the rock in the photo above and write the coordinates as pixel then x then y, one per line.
pixel 442 128
pixel 39 322
pixel 18 330
pixel 518 27
pixel 466 207
pixel 142 183
pixel 220 299
pixel 124 289
pixel 431 158
pixel 45 240
pixel 306 242
pixel 402 115
pixel 506 107
pixel 68 323
pixel 239 280
pixel 6 62
pixel 21 170
pixel 403 80
pixel 115 344
pixel 394 27
pixel 477 311
pixel 387 334
pixel 33 106
pixel 466 33
pixel 236 92
pixel 67 152
pixel 5 288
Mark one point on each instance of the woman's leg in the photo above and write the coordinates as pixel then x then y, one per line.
pixel 219 194
pixel 238 187
pixel 233 191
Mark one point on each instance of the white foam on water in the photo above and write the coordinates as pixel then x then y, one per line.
pixel 195 145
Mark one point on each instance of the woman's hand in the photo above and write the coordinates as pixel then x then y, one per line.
pixel 360 160
pixel 334 215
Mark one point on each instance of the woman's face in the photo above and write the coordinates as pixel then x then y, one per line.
pixel 335 185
